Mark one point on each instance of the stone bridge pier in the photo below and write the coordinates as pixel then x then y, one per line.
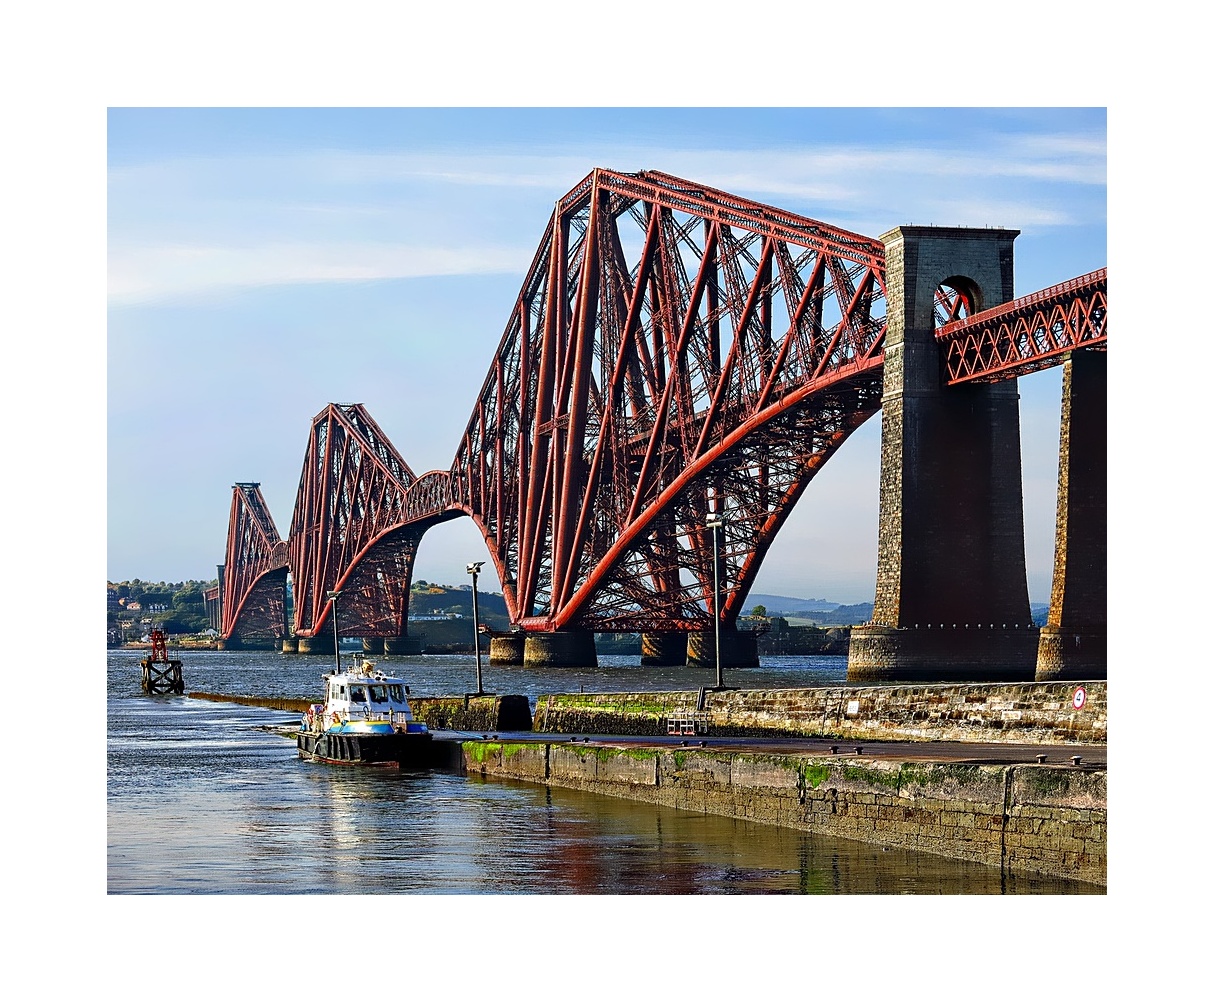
pixel 1074 640
pixel 952 592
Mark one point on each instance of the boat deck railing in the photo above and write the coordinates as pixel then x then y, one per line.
pixel 378 716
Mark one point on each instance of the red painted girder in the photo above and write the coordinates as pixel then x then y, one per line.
pixel 607 355
pixel 1029 333
pixel 641 523
pixel 353 494
pixel 253 552
pixel 672 192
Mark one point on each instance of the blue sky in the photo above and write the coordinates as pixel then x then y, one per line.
pixel 264 262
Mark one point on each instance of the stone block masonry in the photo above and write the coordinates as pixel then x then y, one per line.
pixel 1074 641
pixel 1019 713
pixel 950 549
pixel 472 713
pixel 1030 820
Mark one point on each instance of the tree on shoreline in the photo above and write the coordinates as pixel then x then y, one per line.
pixel 184 609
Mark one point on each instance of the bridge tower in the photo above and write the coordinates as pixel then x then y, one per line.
pixel 952 591
pixel 1074 641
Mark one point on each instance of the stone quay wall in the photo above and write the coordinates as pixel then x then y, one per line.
pixel 472 713
pixel 1032 820
pixel 1018 713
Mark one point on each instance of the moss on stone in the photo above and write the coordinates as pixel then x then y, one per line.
pixel 638 754
pixel 934 775
pixel 874 777
pixel 815 774
pixel 584 701
pixel 481 750
pixel 1046 782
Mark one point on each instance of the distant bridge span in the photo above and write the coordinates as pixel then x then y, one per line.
pixel 675 352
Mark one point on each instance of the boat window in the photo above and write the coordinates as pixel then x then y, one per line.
pixel 357 694
pixel 378 695
pixel 398 694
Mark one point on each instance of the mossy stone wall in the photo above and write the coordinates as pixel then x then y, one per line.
pixel 1022 713
pixel 1028 819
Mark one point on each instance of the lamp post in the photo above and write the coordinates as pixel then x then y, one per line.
pixel 474 570
pixel 715 522
pixel 333 597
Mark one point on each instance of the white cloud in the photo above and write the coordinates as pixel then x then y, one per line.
pixel 991 212
pixel 144 274
pixel 193 226
pixel 1061 158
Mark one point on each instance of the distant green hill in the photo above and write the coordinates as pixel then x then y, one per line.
pixel 428 599
pixel 776 604
pixel 821 612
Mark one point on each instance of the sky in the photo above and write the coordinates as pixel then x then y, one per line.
pixel 263 262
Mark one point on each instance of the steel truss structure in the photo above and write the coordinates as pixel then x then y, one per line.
pixel 356 526
pixel 1029 333
pixel 254 575
pixel 675 351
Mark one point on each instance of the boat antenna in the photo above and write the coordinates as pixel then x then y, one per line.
pixel 333 597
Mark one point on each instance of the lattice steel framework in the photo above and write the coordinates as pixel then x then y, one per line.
pixel 350 528
pixel 675 351
pixel 1029 333
pixel 255 570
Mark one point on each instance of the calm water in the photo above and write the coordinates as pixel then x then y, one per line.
pixel 203 798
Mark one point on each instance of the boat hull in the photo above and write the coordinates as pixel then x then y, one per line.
pixel 398 749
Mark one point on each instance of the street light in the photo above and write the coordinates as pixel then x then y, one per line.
pixel 716 522
pixel 333 597
pixel 474 570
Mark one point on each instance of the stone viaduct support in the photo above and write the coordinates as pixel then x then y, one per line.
pixel 952 592
pixel 1074 641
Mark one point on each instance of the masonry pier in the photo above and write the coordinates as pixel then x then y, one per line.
pixel 739 649
pixel 403 644
pixel 507 649
pixel 661 650
pixel 320 644
pixel 560 649
pixel 1074 641
pixel 952 591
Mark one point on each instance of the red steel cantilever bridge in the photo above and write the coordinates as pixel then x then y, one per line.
pixel 675 351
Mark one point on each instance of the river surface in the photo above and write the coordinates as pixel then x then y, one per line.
pixel 204 797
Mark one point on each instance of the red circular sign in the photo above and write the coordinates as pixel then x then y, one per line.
pixel 1080 697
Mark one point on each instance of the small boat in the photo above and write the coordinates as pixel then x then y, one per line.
pixel 364 720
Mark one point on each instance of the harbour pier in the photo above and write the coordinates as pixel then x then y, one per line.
pixel 1008 775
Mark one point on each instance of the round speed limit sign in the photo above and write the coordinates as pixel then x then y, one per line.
pixel 1080 697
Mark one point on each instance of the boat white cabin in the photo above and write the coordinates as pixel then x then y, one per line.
pixel 362 698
